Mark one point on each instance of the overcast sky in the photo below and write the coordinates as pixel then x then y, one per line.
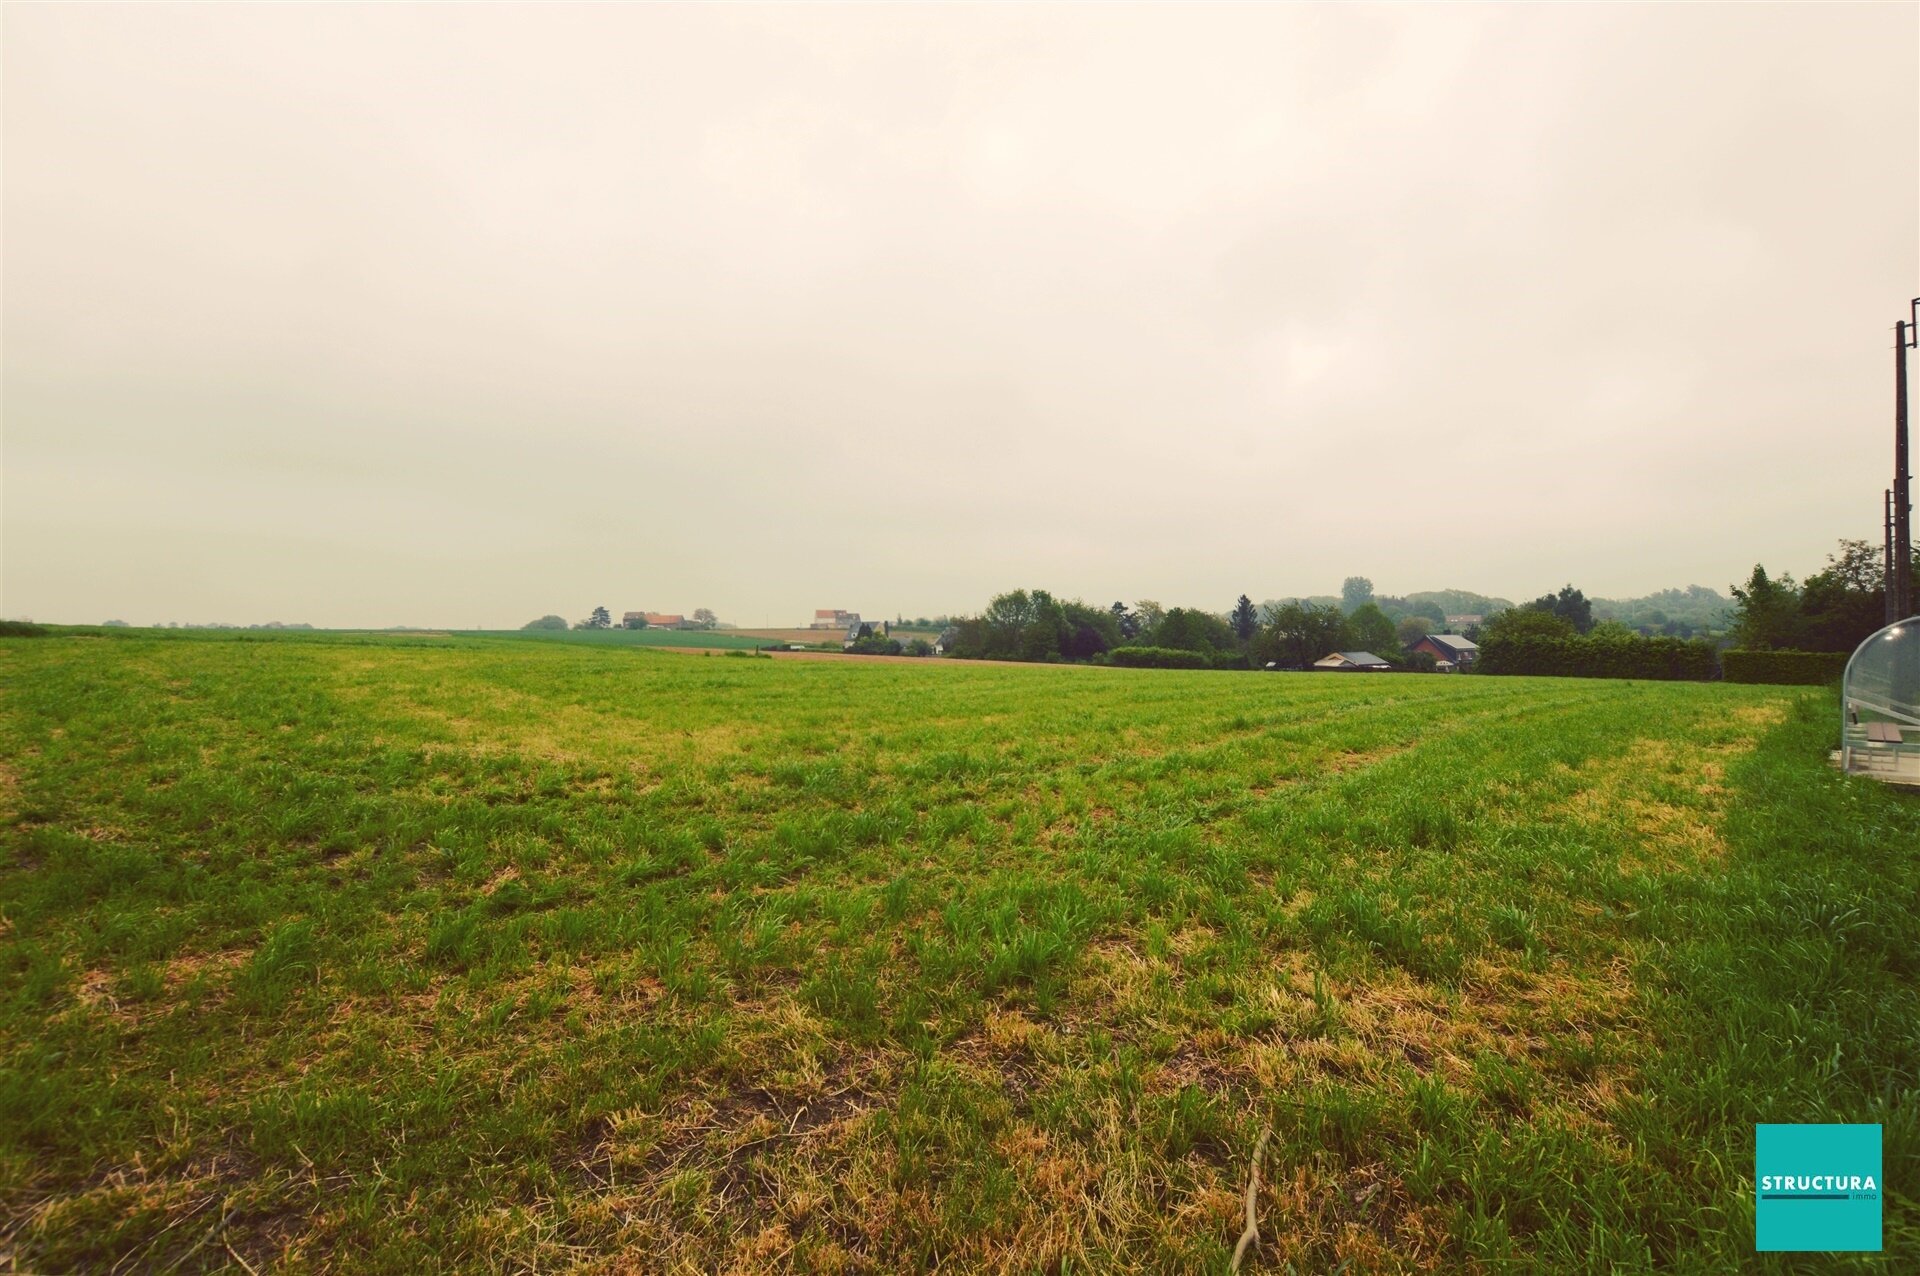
pixel 454 316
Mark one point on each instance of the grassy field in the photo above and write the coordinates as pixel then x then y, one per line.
pixel 416 954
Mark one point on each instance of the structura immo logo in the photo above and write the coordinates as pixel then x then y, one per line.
pixel 1817 1187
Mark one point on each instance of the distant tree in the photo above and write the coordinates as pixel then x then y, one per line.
pixel 1034 625
pixel 600 619
pixel 872 644
pixel 1088 631
pixel 1766 612
pixel 1459 602
pixel 1696 606
pixel 919 647
pixel 635 620
pixel 1569 604
pixel 546 622
pixel 1372 631
pixel 1297 634
pixel 1524 622
pixel 1845 601
pixel 115 624
pixel 1189 629
pixel 1245 621
pixel 1411 629
pixel 1127 623
pixel 971 639
pixel 1046 634
pixel 1007 619
pixel 1355 592
pixel 704 618
pixel 1150 614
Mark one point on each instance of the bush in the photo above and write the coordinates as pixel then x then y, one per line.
pixel 1159 658
pixel 1602 656
pixel 21 629
pixel 873 645
pixel 1788 668
pixel 919 647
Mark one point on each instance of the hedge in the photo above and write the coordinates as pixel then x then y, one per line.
pixel 1790 668
pixel 1158 658
pixel 1604 657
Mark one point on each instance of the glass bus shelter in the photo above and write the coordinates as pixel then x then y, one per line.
pixel 1880 706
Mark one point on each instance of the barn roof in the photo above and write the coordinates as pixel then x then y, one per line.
pixel 1355 658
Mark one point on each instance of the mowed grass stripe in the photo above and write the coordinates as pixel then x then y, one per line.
pixel 486 954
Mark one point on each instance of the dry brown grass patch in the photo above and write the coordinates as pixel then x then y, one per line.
pixel 1668 795
pixel 1325 765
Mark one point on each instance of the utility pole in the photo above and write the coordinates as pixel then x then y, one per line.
pixel 1904 338
pixel 1886 553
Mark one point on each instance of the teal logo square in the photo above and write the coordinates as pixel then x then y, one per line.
pixel 1816 1187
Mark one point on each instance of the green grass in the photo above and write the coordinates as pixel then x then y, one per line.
pixel 331 952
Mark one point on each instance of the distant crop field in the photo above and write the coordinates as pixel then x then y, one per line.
pixel 834 636
pixel 477 954
pixel 718 639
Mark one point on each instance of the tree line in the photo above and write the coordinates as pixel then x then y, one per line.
pixel 1036 625
pixel 1835 609
pixel 1559 632
pixel 602 618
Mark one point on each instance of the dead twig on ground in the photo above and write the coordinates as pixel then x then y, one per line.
pixel 1252 1234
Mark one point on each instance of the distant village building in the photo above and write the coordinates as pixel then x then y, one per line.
pixel 655 620
pixel 852 635
pixel 634 620
pixel 1462 621
pixel 833 618
pixel 1355 661
pixel 1450 652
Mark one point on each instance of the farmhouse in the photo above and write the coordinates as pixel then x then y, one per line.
pixel 665 620
pixel 834 618
pixel 852 635
pixel 1357 661
pixel 1450 652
